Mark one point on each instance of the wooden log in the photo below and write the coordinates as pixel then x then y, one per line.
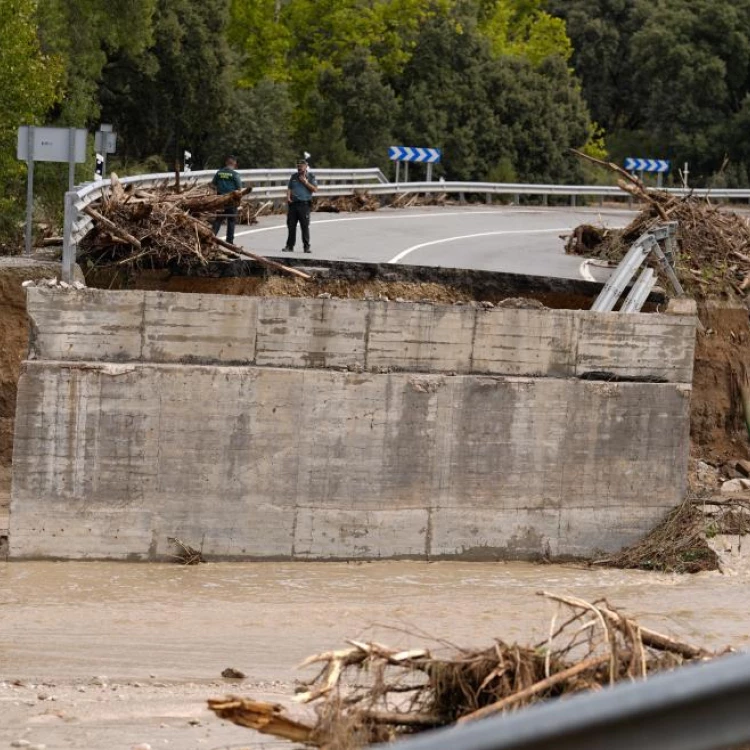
pixel 121 233
pixel 206 232
pixel 537 687
pixel 266 718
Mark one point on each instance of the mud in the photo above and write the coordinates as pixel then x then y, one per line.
pixel 113 655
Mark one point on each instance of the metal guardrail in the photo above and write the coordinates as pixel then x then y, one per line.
pixel 270 184
pixel 697 707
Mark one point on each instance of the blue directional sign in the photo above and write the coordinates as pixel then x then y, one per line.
pixel 646 165
pixel 411 153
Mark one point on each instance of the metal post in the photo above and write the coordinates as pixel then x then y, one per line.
pixel 488 199
pixel 29 187
pixel 573 200
pixel 621 276
pixel 398 169
pixel 668 270
pixel 545 200
pixel 639 292
pixel 429 172
pixel 659 180
pixel 406 171
pixel 69 247
pixel 71 158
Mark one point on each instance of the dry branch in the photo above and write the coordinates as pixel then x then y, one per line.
pixel 368 692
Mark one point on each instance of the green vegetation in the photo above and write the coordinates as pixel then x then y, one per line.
pixel 504 87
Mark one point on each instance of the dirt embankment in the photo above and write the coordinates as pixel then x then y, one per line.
pixel 14 340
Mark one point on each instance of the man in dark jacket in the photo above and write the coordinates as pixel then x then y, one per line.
pixel 299 194
pixel 227 180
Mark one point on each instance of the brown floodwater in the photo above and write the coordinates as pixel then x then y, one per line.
pixel 68 620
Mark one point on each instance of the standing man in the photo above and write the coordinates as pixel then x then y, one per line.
pixel 227 180
pixel 299 194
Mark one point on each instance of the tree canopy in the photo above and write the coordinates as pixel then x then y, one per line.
pixel 504 87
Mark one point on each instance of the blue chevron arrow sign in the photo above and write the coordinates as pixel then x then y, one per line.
pixel 411 153
pixel 647 165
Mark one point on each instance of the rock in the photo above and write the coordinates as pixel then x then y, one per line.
pixel 230 673
pixel 324 295
pixel 100 680
pixel 706 473
pixel 20 743
pixel 487 305
pixel 743 467
pixel 194 722
pixel 400 299
pixel 521 303
pixel 78 285
pixel 734 486
pixel 26 284
pixel 50 282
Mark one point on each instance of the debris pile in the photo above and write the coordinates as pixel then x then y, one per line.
pixel 713 245
pixel 679 544
pixel 161 228
pixel 360 200
pixel 368 692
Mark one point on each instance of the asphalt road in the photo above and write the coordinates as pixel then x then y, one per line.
pixel 509 239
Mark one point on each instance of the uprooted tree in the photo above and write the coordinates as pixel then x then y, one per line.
pixel 369 692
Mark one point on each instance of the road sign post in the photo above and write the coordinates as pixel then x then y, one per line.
pixel 659 166
pixel 48 144
pixel 416 154
pixel 105 142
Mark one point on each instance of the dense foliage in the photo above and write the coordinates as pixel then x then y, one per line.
pixel 504 87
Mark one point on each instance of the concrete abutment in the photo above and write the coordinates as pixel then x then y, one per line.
pixel 278 428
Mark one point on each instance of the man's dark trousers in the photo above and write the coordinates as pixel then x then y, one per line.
pixel 298 211
pixel 230 214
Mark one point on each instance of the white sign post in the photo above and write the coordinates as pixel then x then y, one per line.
pixel 48 144
pixel 105 142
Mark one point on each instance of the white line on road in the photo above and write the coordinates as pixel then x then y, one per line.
pixel 584 269
pixel 404 253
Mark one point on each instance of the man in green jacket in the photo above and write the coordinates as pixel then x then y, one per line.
pixel 227 180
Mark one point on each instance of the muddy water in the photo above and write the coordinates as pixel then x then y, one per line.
pixel 125 654
pixel 78 619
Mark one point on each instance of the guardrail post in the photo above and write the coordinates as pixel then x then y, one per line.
pixel 545 200
pixel 573 200
pixel 69 246
pixel 461 198
pixel 517 199
pixel 488 199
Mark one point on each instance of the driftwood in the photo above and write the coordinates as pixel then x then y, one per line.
pixel 711 246
pixel 163 228
pixel 368 693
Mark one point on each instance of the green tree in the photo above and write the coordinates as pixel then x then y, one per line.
pixel 177 93
pixel 524 29
pixel 86 34
pixel 490 114
pixel 259 131
pixel 351 115
pixel 29 86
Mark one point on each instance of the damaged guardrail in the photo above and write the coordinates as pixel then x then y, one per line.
pixel 270 184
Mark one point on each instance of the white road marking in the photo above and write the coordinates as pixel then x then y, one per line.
pixel 318 222
pixel 404 253
pixel 584 269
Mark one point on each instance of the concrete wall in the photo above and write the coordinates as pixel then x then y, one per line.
pixel 455 431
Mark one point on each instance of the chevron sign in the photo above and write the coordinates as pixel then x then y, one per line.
pixel 410 153
pixel 646 165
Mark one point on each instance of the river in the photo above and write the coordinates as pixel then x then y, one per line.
pixel 126 654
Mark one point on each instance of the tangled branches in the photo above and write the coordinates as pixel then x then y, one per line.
pixel 370 693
